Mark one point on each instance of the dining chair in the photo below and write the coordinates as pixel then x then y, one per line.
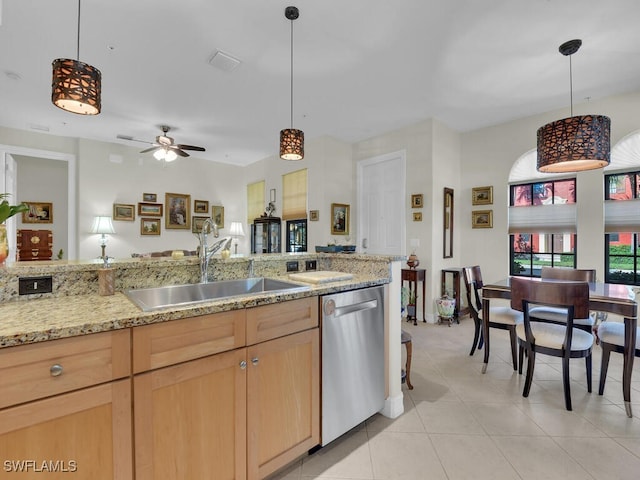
pixel 611 338
pixel 553 339
pixel 558 315
pixel 501 317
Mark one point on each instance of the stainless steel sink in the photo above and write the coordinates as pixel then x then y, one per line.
pixel 161 297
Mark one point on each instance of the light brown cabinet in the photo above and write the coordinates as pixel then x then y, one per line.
pixel 241 413
pixel 283 401
pixel 64 409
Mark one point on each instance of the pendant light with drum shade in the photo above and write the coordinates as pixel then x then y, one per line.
pixel 76 86
pixel 291 139
pixel 576 143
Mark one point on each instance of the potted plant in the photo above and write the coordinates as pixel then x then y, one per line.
pixel 7 211
pixel 408 301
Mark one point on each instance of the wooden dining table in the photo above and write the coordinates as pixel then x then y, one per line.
pixel 603 297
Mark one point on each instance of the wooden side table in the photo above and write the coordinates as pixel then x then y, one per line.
pixel 413 276
pixel 455 273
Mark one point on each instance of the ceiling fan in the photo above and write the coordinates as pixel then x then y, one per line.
pixel 164 148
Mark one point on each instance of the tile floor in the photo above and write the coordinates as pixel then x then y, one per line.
pixel 461 424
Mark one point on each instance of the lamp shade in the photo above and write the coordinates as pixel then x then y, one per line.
pixel 574 144
pixel 236 229
pixel 102 225
pixel 165 154
pixel 76 86
pixel 291 144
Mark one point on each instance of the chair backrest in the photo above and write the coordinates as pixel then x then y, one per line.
pixel 473 283
pixel 575 274
pixel 548 292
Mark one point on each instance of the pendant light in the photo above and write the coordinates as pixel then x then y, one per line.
pixel 576 143
pixel 291 139
pixel 76 85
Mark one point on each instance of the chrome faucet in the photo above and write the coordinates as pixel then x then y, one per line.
pixel 251 268
pixel 205 251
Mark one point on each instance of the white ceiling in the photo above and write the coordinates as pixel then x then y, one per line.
pixel 362 67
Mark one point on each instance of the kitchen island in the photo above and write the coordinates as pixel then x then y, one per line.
pixel 84 359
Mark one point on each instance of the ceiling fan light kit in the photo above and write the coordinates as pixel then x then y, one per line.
pixel 76 86
pixel 165 154
pixel 576 143
pixel 291 139
pixel 164 148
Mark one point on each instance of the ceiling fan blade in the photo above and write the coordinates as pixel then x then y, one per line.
pixel 150 149
pixel 191 147
pixel 179 151
pixel 131 139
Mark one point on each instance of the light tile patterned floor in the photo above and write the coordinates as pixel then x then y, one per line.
pixel 460 424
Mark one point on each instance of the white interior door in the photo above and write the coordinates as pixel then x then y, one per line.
pixel 381 205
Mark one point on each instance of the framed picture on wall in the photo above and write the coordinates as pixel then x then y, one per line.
pixel 217 214
pixel 201 206
pixel 150 209
pixel 178 207
pixel 39 212
pixel 196 223
pixel 124 212
pixel 149 226
pixel 482 195
pixel 149 197
pixel 314 215
pixel 482 219
pixel 417 200
pixel 339 219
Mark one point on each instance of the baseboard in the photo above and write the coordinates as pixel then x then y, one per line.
pixel 393 406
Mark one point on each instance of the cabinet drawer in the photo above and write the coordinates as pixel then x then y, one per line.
pixel 280 319
pixel 43 369
pixel 163 344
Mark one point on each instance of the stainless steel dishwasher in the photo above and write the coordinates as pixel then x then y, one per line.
pixel 353 380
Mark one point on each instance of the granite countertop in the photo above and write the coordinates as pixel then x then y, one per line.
pixel 61 317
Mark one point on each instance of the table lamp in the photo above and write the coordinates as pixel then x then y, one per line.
pixel 103 226
pixel 236 232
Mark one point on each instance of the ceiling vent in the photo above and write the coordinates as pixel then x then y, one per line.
pixel 224 61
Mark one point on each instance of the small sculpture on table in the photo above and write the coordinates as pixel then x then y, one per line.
pixel 413 261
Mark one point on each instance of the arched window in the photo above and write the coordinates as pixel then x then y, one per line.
pixel 622 212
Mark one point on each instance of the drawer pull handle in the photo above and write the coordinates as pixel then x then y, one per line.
pixel 255 361
pixel 243 364
pixel 56 370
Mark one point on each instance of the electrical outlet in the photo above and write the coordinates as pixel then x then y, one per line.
pixel 310 265
pixel 33 285
pixel 292 266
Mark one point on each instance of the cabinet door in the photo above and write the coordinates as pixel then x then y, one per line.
pixel 283 401
pixel 87 432
pixel 190 420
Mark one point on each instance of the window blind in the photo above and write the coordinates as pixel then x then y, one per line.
pixel 622 216
pixel 557 218
pixel 255 200
pixel 294 195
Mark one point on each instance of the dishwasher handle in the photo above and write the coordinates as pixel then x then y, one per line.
pixel 331 309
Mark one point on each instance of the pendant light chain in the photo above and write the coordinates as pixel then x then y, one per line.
pixel 571 85
pixel 291 73
pixel 78 44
